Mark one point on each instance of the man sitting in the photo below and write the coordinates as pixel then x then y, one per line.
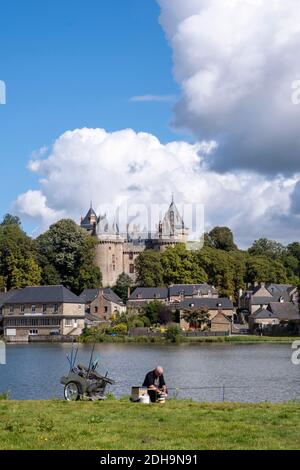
pixel 155 383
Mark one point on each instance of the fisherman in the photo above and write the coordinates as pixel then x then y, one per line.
pixel 155 383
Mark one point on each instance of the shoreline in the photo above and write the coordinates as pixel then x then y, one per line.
pixel 236 339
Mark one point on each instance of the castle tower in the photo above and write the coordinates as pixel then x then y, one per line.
pixel 89 222
pixel 172 229
pixel 109 251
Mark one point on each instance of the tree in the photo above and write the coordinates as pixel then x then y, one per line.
pixel 149 269
pixel 18 264
pixel 165 316
pixel 262 269
pixel 66 254
pixel 152 311
pixel 123 284
pixel 221 238
pixel 180 266
pixel 10 220
pixel 268 248
pixel 197 317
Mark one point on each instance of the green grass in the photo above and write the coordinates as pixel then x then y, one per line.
pixel 123 425
pixel 241 339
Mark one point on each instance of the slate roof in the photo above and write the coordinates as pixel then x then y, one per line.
pixel 281 310
pixel 44 294
pixel 263 300
pixel 88 295
pixel 285 310
pixel 5 296
pixel 146 293
pixel 211 304
pixel 85 223
pixel 189 289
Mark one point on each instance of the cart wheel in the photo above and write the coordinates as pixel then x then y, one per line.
pixel 72 392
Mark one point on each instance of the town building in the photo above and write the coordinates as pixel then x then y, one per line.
pixel 116 253
pixel 259 296
pixel 173 294
pixel 285 314
pixel 215 309
pixel 102 304
pixel 42 311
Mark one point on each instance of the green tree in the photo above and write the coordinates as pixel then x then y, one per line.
pixel 268 248
pixel 18 265
pixel 149 269
pixel 66 254
pixel 262 269
pixel 152 311
pixel 221 238
pixel 180 266
pixel 123 284
pixel 11 220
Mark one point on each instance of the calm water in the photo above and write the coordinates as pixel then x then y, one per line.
pixel 250 373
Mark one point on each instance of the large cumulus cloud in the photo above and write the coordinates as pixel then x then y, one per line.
pixel 236 62
pixel 92 164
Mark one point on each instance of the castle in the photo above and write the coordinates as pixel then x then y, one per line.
pixel 116 253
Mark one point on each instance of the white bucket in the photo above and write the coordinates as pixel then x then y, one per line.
pixel 145 399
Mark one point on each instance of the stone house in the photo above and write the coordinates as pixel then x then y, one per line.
pixel 215 307
pixel 258 297
pixel 276 313
pixel 42 311
pixel 102 304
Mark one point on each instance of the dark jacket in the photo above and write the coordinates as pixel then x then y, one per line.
pixel 150 379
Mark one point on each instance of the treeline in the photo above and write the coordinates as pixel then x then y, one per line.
pixel 221 264
pixel 64 254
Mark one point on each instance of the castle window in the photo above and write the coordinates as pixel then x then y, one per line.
pixel 114 267
pixel 131 256
pixel 131 269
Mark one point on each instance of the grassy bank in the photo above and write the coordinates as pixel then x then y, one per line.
pixel 123 425
pixel 241 339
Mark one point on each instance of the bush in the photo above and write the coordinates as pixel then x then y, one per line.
pixel 120 329
pixel 173 332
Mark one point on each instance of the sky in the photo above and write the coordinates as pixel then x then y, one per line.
pixel 114 100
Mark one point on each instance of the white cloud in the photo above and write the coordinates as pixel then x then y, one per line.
pixel 153 98
pixel 92 164
pixel 236 62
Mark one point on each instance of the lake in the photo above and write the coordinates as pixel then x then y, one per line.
pixel 249 373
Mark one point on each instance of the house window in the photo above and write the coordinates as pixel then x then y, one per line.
pixel 105 309
pixel 33 308
pixel 79 307
pixel 131 269
pixel 33 332
pixel 55 308
pixel 22 308
pixel 69 323
pixel 11 309
pixel 96 310
pixel 44 308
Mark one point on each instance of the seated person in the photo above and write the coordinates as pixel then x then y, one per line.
pixel 155 383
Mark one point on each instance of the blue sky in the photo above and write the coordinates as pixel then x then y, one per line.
pixel 74 64
pixel 71 64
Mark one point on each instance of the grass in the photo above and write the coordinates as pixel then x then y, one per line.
pixel 241 339
pixel 123 425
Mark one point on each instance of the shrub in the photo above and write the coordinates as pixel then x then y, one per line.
pixel 173 332
pixel 120 329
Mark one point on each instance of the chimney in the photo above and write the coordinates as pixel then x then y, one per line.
pixel 128 292
pixel 262 284
pixel 255 284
